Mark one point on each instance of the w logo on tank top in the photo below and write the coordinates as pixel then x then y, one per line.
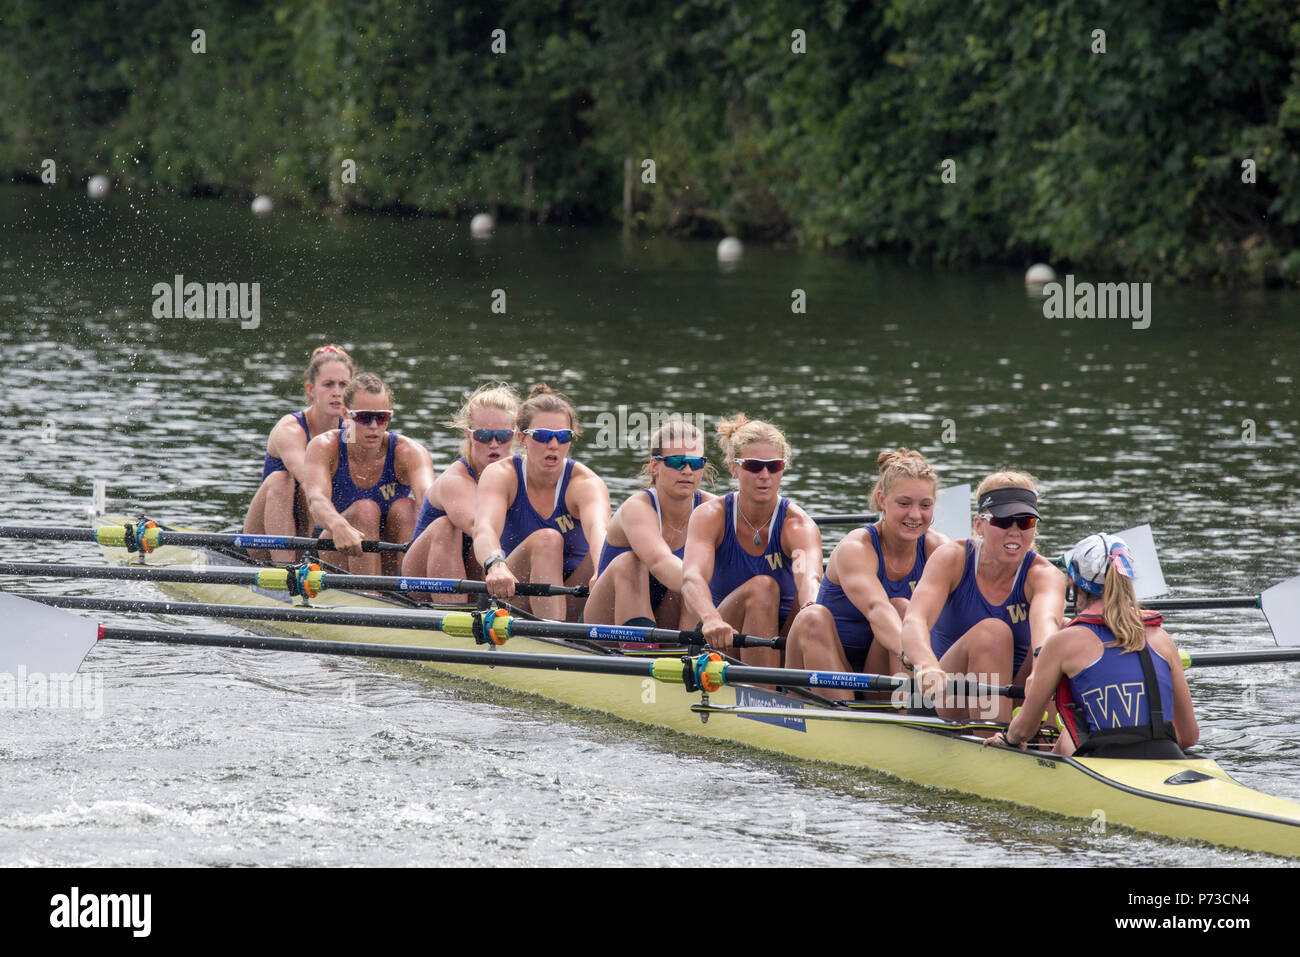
pixel 775 561
pixel 1115 706
pixel 388 490
pixel 1018 613
pixel 565 523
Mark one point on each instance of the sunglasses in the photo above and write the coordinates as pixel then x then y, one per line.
pixel 775 466
pixel 679 462
pixel 371 416
pixel 492 435
pixel 1023 522
pixel 544 436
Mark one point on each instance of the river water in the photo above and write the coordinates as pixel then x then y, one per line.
pixel 198 756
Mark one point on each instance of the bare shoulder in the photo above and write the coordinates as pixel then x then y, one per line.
pixel 710 515
pixel 933 540
pixel 409 447
pixel 852 546
pixel 455 475
pixel 637 506
pixel 1162 642
pixel 498 475
pixel 1043 574
pixel 583 474
pixel 949 554
pixel 326 442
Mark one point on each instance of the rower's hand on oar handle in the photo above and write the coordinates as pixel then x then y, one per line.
pixel 501 581
pixel 718 634
pixel 933 684
pixel 347 539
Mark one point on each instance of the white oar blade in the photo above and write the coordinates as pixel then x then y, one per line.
pixel 1149 580
pixel 1281 605
pixel 952 512
pixel 36 639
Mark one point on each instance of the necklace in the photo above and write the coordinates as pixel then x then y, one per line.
pixel 758 539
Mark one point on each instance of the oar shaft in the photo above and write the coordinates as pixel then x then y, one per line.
pixel 856 518
pixel 170 537
pixel 595 664
pixel 420 620
pixel 267 578
pixel 1195 604
pixel 1218 659
pixel 314 615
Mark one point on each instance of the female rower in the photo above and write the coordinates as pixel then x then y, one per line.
pixel 1094 663
pixel 857 622
pixel 541 515
pixel 752 558
pixel 640 573
pixel 280 506
pixel 359 480
pixel 443 542
pixel 983 604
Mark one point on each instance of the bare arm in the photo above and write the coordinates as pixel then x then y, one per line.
pixel 288 443
pixel 413 461
pixel 942 573
pixel 459 496
pixel 857 568
pixel 1045 591
pixel 588 502
pixel 1185 726
pixel 801 539
pixel 641 526
pixel 496 489
pixel 318 483
pixel 702 538
pixel 1052 664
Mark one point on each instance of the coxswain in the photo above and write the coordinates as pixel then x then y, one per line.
pixel 1116 674
pixel 541 515
pixel 753 558
pixel 360 480
pixel 857 622
pixel 280 506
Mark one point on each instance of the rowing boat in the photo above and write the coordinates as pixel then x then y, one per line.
pixel 1186 799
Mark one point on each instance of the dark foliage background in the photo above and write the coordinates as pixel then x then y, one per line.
pixel 1128 160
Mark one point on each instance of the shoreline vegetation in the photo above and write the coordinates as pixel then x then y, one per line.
pixel 1157 143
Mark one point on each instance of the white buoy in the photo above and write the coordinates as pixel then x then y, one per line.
pixel 730 250
pixel 262 205
pixel 481 226
pixel 97 187
pixel 1040 274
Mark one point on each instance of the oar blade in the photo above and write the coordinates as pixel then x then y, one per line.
pixel 952 512
pixel 1149 579
pixel 1281 605
pixel 36 639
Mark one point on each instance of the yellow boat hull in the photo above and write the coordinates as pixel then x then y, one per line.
pixel 1192 799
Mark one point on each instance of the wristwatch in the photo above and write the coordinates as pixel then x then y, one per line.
pixel 492 560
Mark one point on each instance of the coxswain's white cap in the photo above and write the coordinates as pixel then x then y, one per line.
pixel 1090 558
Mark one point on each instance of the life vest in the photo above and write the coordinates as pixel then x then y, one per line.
pixel 1156 739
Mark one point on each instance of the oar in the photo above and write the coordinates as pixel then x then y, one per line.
pixel 302 581
pixel 1220 659
pixel 703 671
pixel 951 514
pixel 1280 604
pixel 129 536
pixel 459 624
